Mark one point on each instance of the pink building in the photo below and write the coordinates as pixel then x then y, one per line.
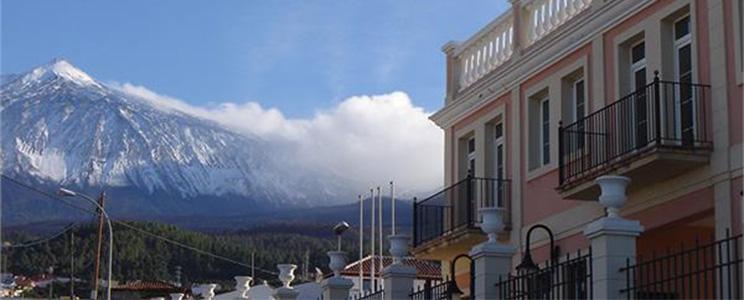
pixel 554 93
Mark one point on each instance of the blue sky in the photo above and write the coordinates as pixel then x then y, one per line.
pixel 296 56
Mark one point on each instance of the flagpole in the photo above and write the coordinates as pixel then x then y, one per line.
pixel 379 199
pixel 361 243
pixel 372 228
pixel 392 201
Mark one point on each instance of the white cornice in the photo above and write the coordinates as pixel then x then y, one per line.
pixel 537 57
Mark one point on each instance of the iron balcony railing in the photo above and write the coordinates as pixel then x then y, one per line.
pixel 456 207
pixel 663 114
pixel 704 271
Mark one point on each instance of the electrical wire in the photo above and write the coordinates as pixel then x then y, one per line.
pixel 42 240
pixel 165 239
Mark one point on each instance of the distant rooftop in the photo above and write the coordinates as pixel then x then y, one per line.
pixel 424 269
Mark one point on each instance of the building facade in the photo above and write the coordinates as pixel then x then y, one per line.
pixel 554 93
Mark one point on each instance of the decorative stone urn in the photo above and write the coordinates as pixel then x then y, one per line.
pixel 286 273
pixel 207 290
pixel 399 247
pixel 176 296
pixel 242 285
pixel 613 193
pixel 338 262
pixel 493 222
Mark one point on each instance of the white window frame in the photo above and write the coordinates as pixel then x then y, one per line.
pixel 678 44
pixel 576 98
pixel 470 156
pixel 635 67
pixel 545 101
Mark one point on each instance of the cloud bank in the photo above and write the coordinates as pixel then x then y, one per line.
pixel 371 139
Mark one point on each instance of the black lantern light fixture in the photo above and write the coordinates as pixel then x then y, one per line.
pixel 528 265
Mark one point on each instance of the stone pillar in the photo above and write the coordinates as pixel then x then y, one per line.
pixel 336 287
pixel 452 79
pixel 242 285
pixel 492 259
pixel 613 240
pixel 398 278
pixel 286 275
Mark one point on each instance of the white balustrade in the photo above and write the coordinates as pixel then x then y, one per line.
pixel 494 44
pixel 486 50
pixel 547 15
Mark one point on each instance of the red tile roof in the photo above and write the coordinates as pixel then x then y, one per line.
pixel 146 285
pixel 424 269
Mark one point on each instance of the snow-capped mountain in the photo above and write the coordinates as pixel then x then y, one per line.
pixel 60 127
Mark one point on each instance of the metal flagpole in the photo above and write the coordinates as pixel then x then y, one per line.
pixel 379 199
pixel 372 228
pixel 392 209
pixel 361 243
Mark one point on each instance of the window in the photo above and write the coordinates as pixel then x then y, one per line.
pixel 635 134
pixel 471 157
pixel 545 131
pixel 499 163
pixel 579 111
pixel 684 103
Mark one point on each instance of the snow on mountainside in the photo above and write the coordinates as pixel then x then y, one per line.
pixel 62 127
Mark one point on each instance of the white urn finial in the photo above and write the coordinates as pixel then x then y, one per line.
pixel 613 193
pixel 399 247
pixel 176 296
pixel 493 222
pixel 207 290
pixel 242 285
pixel 286 273
pixel 337 262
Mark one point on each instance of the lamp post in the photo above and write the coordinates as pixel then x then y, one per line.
pixel 69 193
pixel 528 265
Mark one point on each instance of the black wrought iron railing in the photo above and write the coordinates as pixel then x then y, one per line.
pixel 378 295
pixel 705 271
pixel 456 207
pixel 661 114
pixel 569 278
pixel 444 290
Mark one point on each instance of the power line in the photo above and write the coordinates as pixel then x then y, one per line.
pixel 203 252
pixel 43 240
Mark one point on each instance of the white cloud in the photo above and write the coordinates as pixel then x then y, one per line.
pixel 371 139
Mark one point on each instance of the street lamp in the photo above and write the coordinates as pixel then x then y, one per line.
pixel 69 193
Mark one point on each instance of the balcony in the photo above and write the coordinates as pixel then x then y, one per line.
pixel 453 212
pixel 651 135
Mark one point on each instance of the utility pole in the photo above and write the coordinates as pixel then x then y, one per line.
pixel 72 264
pixel 253 264
pixel 94 291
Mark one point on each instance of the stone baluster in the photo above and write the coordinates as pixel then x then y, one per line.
pixel 337 287
pixel 286 275
pixel 612 238
pixel 207 290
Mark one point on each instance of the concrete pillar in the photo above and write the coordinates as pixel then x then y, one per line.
pixel 398 278
pixel 613 240
pixel 492 259
pixel 336 287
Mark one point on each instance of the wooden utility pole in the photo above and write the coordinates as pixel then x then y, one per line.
pixel 72 264
pixel 94 292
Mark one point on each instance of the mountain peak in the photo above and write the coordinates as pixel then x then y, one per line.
pixel 59 67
